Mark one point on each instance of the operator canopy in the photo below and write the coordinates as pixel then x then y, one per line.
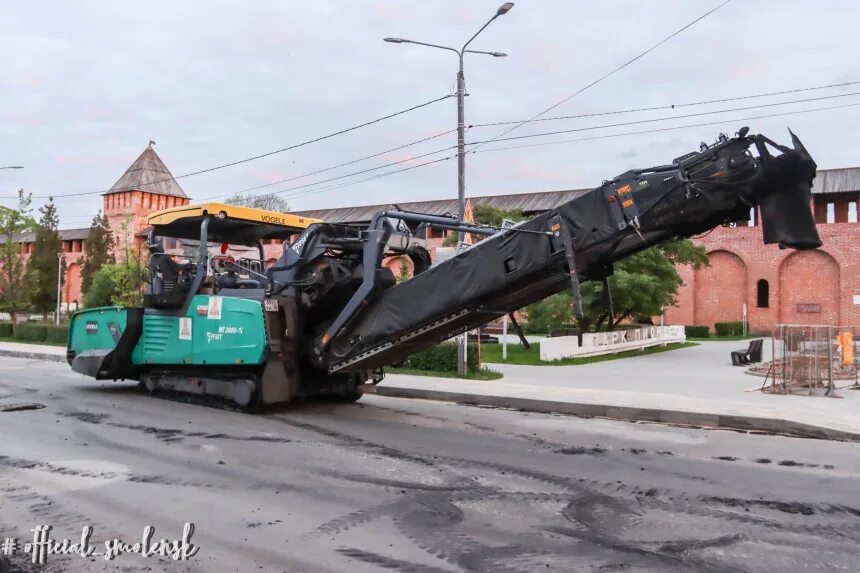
pixel 227 223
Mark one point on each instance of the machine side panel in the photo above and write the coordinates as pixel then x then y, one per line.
pixel 237 337
pixel 215 331
pixel 96 328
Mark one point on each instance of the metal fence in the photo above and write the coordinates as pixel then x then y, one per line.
pixel 812 360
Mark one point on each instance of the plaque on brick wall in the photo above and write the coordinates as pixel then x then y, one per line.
pixel 808 307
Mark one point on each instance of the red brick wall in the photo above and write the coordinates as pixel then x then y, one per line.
pixel 805 278
pixel 829 277
pixel 72 289
pixel 720 289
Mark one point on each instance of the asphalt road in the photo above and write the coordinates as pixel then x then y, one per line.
pixel 399 485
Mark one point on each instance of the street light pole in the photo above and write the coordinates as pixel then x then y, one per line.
pixel 461 146
pixel 60 257
pixel 461 102
pixel 462 345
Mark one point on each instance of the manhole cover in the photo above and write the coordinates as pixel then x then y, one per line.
pixel 19 407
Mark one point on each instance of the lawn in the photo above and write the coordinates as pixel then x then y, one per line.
pixel 517 354
pixel 482 374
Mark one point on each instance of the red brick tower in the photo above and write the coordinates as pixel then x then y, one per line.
pixel 147 186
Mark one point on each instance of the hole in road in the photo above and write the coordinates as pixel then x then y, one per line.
pixel 19 407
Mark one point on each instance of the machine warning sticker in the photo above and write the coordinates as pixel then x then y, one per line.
pixel 271 305
pixel 184 328
pixel 202 309
pixel 215 307
pixel 92 327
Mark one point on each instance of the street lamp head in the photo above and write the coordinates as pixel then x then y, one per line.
pixel 13 167
pixel 498 54
pixel 504 8
pixel 394 40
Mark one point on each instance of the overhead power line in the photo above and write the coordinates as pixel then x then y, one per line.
pixel 661 129
pixel 363 171
pixel 255 157
pixel 378 176
pixel 293 193
pixel 333 167
pixel 665 118
pixel 613 112
pixel 596 137
pixel 614 71
pixel 518 137
pixel 668 106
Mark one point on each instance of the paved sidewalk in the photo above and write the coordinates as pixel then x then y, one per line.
pixel 696 385
pixel 691 386
pixel 33 351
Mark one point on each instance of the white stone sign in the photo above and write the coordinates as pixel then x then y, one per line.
pixel 597 343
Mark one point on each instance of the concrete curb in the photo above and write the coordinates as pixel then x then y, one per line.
pixel 628 413
pixel 33 355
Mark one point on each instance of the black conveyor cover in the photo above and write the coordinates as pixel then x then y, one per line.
pixel 627 214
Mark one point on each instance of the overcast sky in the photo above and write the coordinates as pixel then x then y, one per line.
pixel 85 85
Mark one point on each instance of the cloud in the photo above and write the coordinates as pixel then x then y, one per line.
pixel 89 83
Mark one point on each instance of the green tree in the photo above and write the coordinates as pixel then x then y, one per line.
pixel 14 278
pixel 642 285
pixel 129 274
pixel 266 201
pixel 128 278
pixel 403 271
pixel 117 284
pixel 98 250
pixel 494 216
pixel 450 239
pixel 552 312
pixel 487 215
pixel 102 289
pixel 43 264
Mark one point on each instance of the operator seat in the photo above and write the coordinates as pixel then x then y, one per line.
pixel 230 280
pixel 168 286
pixel 165 271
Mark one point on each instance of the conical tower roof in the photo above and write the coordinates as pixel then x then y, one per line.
pixel 148 173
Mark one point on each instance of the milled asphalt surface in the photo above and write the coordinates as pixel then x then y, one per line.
pixel 392 484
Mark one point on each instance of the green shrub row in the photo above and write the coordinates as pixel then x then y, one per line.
pixel 729 328
pixel 29 332
pixel 697 331
pixel 443 358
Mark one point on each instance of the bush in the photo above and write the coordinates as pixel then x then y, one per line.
pixel 729 328
pixel 6 330
pixel 31 332
pixel 57 334
pixel 443 358
pixel 695 331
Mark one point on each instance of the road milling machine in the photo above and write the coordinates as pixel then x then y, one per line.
pixel 328 315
